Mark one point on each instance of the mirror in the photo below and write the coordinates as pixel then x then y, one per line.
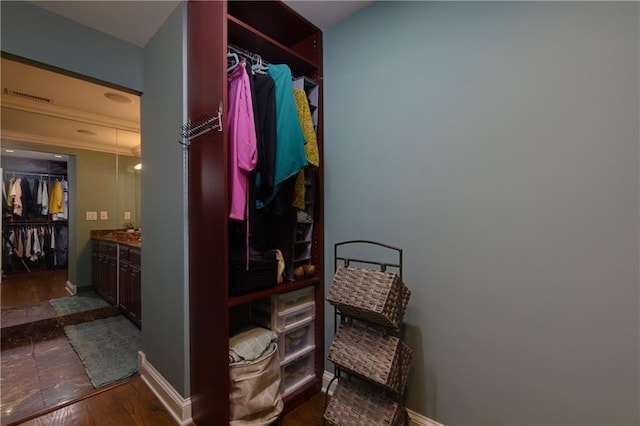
pixel 129 169
pixel 97 128
pixel 58 127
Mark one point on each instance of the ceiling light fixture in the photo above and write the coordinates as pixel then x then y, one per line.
pixel 117 97
pixel 57 156
pixel 8 150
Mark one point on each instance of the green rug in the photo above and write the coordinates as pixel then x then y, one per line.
pixel 78 303
pixel 108 348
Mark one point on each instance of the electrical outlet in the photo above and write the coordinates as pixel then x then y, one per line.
pixel 127 215
pixel 103 215
pixel 92 215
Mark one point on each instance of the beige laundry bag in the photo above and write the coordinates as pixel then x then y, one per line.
pixel 254 396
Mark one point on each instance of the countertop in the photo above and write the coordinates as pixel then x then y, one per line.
pixel 121 236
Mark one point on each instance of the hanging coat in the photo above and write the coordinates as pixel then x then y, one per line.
pixel 242 140
pixel 290 155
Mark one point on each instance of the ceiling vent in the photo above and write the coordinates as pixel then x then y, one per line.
pixel 27 96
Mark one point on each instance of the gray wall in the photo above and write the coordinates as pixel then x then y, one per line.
pixel 68 45
pixel 497 143
pixel 164 289
pixel 36 34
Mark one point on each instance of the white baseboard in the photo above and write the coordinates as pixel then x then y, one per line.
pixel 71 288
pixel 326 379
pixel 415 419
pixel 179 407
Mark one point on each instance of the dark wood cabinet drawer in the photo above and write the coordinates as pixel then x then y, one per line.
pixel 124 253
pixel 102 247
pixel 134 257
pixel 111 249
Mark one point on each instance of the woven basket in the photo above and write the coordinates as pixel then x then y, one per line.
pixel 402 418
pixel 369 295
pixel 360 405
pixel 381 359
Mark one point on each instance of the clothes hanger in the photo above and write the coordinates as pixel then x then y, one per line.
pixel 235 59
pixel 259 67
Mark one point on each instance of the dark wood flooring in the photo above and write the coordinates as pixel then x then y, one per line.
pixel 308 414
pixel 128 402
pixel 44 382
pixel 22 288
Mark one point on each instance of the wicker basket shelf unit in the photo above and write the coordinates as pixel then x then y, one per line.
pixel 371 361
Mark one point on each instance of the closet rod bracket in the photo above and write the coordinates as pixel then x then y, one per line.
pixel 199 126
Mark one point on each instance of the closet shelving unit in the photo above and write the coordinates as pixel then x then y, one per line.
pixel 304 231
pixel 30 168
pixel 371 361
pixel 279 35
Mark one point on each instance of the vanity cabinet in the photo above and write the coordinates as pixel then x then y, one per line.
pixel 129 289
pixel 105 269
pixel 116 276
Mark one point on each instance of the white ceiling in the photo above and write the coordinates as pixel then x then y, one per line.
pixel 133 21
pixel 326 13
pixel 137 21
pixel 46 107
pixel 71 105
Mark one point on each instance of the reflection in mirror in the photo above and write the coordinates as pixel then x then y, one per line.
pixel 35 226
pixel 95 129
pixel 128 181
pixel 98 126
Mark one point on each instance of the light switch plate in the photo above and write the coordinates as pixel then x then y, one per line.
pixel 103 215
pixel 127 215
pixel 92 215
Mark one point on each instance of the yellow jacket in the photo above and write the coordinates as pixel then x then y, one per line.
pixel 55 198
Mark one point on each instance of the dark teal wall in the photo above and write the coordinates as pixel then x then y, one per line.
pixel 497 143
pixel 37 34
pixel 165 289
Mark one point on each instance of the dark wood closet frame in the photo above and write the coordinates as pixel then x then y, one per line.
pixel 279 35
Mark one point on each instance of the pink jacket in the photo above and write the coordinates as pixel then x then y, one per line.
pixel 243 154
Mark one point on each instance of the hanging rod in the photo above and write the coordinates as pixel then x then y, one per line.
pixel 247 54
pixel 199 126
pixel 9 172
pixel 256 58
pixel 35 223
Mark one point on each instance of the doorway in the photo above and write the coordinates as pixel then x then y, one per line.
pixel 59 128
pixel 35 226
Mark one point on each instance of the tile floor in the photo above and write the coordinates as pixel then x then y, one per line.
pixel 19 315
pixel 39 373
pixel 38 367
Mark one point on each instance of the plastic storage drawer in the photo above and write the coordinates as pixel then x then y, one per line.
pixel 291 300
pixel 284 320
pixel 296 340
pixel 298 371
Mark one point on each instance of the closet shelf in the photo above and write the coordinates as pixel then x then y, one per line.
pixel 278 21
pixel 280 288
pixel 247 37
